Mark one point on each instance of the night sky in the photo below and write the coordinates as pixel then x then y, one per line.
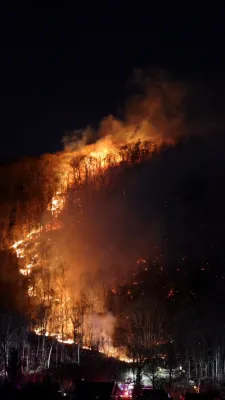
pixel 63 70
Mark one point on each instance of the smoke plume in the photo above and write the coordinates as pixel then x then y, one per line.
pixel 155 114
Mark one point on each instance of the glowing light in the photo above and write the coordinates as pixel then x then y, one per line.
pixel 171 293
pixel 141 260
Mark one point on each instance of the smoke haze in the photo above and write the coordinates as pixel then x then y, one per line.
pixel 155 114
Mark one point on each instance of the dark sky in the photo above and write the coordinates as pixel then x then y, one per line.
pixel 63 69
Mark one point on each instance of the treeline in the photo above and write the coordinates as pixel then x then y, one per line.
pixel 170 321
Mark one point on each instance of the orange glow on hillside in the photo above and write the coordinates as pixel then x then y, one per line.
pixel 73 168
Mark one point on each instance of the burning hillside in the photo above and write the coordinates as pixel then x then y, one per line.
pixel 116 244
pixel 60 234
pixel 56 285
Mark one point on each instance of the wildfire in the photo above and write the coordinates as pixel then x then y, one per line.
pixel 73 169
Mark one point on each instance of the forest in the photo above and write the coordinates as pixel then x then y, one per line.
pixel 117 260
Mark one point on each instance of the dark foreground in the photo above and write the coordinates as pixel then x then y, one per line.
pixel 89 391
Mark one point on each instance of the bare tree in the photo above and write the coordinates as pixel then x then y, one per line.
pixel 77 319
pixel 8 338
pixel 143 339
